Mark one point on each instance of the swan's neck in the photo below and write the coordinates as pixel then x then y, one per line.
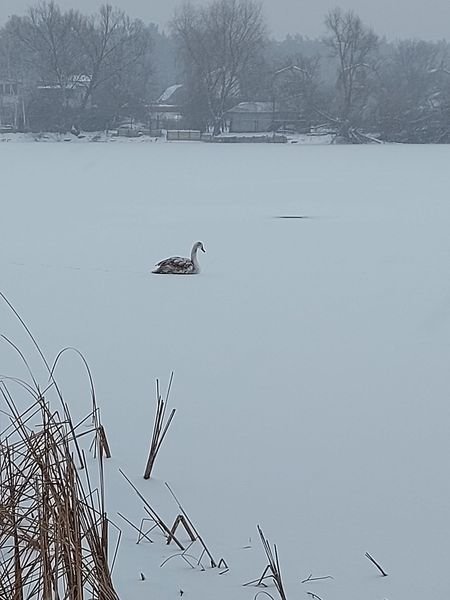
pixel 194 258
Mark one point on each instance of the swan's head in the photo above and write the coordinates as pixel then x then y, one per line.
pixel 198 246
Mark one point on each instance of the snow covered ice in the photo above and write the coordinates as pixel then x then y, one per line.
pixel 310 355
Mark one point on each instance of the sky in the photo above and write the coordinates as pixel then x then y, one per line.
pixel 391 18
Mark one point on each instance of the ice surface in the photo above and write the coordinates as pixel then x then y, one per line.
pixel 311 355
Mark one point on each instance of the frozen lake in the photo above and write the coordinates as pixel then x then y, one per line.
pixel 311 356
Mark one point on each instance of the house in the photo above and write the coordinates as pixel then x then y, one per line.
pixel 12 112
pixel 166 112
pixel 253 117
pixel 71 94
pixel 250 117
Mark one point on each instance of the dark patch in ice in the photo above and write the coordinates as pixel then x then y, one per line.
pixel 292 217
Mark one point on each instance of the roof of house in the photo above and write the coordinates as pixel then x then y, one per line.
pixel 170 91
pixel 252 107
pixel 76 81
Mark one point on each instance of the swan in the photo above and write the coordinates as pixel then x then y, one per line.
pixel 177 265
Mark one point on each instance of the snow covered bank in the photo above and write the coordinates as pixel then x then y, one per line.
pixel 102 136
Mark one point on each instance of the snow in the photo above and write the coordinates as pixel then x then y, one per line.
pixel 253 107
pixel 310 355
pixel 92 137
pixel 111 137
pixel 165 96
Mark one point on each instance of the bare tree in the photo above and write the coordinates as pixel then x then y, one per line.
pixel 76 56
pixel 112 44
pixel 11 63
pixel 296 87
pixel 217 43
pixel 46 52
pixel 413 92
pixel 48 43
pixel 353 45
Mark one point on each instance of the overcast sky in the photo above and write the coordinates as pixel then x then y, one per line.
pixel 393 18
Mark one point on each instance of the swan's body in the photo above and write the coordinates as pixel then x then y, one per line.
pixel 177 265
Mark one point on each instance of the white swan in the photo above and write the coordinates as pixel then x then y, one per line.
pixel 176 265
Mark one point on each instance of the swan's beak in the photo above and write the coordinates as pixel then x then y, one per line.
pixel 202 249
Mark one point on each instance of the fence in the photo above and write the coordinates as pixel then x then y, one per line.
pixel 183 135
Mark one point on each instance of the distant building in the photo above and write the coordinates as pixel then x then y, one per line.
pixel 254 117
pixel 250 117
pixel 167 111
pixel 71 94
pixel 11 104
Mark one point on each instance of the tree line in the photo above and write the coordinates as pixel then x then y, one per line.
pixel 96 69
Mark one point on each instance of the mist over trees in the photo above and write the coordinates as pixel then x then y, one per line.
pixel 73 70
